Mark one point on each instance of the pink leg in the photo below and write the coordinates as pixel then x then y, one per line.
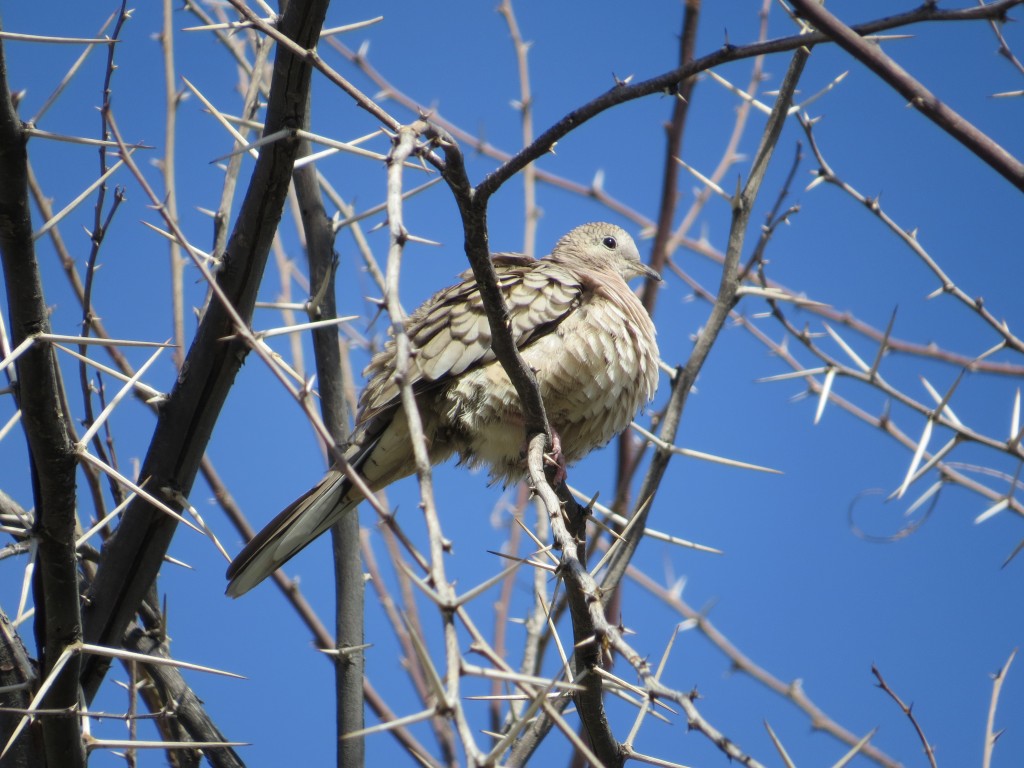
pixel 556 459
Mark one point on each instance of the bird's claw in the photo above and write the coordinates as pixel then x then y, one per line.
pixel 555 458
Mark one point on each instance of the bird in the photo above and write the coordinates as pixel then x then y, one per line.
pixel 575 321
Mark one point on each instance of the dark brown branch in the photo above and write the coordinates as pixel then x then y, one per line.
pixel 190 720
pixel 101 224
pixel 907 710
pixel 588 642
pixel 18 677
pixel 727 297
pixel 39 393
pixel 585 596
pixel 194 722
pixel 927 103
pixel 473 209
pixel 629 451
pixel 133 557
pixel 673 151
pixel 669 82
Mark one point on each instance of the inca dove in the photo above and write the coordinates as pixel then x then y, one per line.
pixel 576 323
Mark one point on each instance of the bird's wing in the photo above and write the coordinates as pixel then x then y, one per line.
pixel 450 335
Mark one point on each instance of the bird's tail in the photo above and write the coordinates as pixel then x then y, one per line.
pixel 300 522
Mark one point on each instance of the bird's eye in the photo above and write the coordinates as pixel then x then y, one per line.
pixel 609 243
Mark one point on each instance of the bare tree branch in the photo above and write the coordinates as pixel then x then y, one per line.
pixel 18 677
pixel 929 751
pixel 348 571
pixel 134 556
pixel 669 82
pixel 40 395
pixel 872 56
pixel 187 710
pixel 427 612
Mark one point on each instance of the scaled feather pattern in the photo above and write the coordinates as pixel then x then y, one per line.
pixel 575 321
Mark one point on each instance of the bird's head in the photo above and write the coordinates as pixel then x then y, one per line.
pixel 603 246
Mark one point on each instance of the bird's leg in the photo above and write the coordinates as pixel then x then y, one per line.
pixel 555 458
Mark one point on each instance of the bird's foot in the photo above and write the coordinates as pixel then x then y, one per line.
pixel 555 458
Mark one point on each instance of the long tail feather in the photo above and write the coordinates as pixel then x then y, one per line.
pixel 297 525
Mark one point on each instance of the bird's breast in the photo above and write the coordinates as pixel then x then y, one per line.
pixel 598 369
pixel 595 370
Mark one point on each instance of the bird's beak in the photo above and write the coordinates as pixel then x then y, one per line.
pixel 642 270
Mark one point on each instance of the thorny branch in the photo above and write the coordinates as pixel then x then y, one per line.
pixel 919 97
pixel 669 82
pixel 132 560
pixel 605 636
pixel 909 712
pixel 39 392
pixel 405 146
pixel 589 617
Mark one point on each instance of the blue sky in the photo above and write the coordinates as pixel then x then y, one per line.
pixel 797 590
